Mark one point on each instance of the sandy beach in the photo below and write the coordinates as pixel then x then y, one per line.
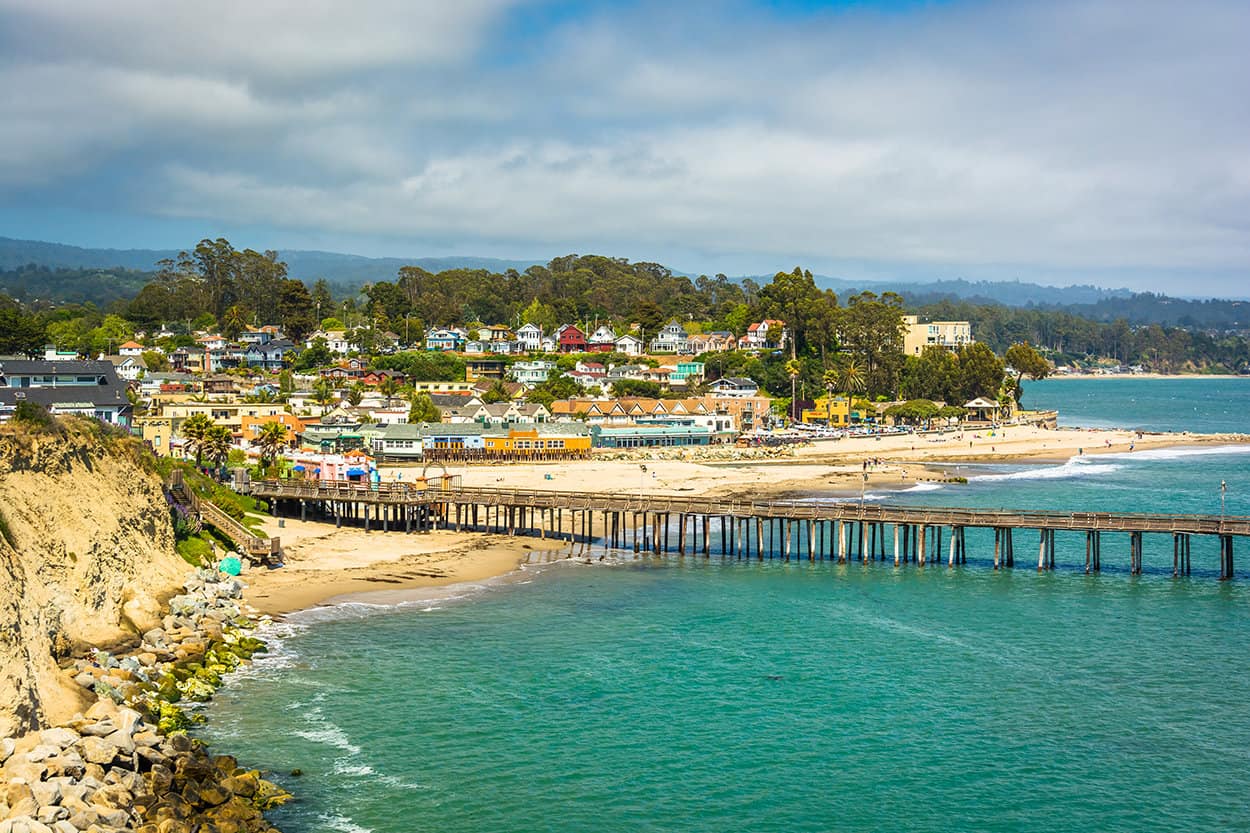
pixel 894 461
pixel 325 565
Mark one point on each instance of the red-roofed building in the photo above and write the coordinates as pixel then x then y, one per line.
pixel 572 340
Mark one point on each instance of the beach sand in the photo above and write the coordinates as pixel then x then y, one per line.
pixel 325 565
pixel 834 465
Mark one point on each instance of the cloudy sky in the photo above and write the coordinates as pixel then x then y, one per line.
pixel 1062 142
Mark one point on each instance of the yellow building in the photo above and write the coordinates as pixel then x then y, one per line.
pixel 949 335
pixel 826 412
pixel 539 441
pixel 229 414
pixel 157 432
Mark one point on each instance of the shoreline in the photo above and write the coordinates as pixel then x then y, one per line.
pixel 329 566
pixel 1143 376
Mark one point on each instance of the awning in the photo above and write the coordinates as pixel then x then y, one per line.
pixel 355 472
pixel 297 468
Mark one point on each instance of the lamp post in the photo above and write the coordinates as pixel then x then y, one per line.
pixel 1223 494
pixel 642 478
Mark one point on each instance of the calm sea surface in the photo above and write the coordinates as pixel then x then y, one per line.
pixel 717 695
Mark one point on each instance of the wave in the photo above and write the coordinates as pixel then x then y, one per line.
pixel 341 824
pixel 326 732
pixel 1076 467
pixel 1178 452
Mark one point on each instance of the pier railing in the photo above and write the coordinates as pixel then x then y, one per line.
pixel 841 510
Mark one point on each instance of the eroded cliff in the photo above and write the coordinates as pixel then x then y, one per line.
pixel 86 557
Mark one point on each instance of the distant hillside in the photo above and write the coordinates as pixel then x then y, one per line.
pixel 1009 293
pixel 341 269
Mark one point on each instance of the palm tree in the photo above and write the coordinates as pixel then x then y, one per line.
pixel 194 430
pixel 217 443
pixel 355 393
pixel 388 387
pixel 793 368
pixel 852 379
pixel 271 439
pixel 323 393
pixel 830 378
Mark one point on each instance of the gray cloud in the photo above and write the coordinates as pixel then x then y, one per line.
pixel 1057 140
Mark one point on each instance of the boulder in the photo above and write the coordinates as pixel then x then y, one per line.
pixel 7 745
pixel 98 750
pixel 101 709
pixel 46 793
pixel 128 721
pixel 59 737
pixel 123 742
pixel 23 825
pixel 51 814
pixel 147 737
pixel 99 730
pixel 84 819
pixel 42 752
pixel 27 807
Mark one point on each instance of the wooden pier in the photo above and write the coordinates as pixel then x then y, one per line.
pixel 843 531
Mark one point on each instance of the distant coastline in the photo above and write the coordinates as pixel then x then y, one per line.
pixel 1147 376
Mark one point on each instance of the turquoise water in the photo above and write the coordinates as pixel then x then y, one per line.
pixel 714 695
pixel 1200 405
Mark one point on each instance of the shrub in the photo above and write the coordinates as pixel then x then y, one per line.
pixel 34 415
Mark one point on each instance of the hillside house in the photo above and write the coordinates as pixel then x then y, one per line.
pixel 602 340
pixel 671 338
pixel 90 389
pixel 630 345
pixel 768 334
pixel 531 373
pixel 571 339
pixel 529 337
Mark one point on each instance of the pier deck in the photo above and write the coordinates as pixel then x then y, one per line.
pixel 826 528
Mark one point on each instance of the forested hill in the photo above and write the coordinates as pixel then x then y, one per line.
pixel 53 272
pixel 1009 293
pixel 344 271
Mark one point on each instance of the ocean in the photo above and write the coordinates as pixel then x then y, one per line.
pixel 671 694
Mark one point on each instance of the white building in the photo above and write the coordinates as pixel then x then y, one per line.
pixel 671 338
pixel 768 334
pixel 734 387
pixel 529 337
pixel 531 373
pixel 604 338
pixel 336 341
pixel 629 345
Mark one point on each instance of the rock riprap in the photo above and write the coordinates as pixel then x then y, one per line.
pixel 127 764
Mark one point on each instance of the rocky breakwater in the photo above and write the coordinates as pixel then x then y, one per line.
pixel 126 763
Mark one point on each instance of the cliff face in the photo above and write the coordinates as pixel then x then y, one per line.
pixel 86 557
